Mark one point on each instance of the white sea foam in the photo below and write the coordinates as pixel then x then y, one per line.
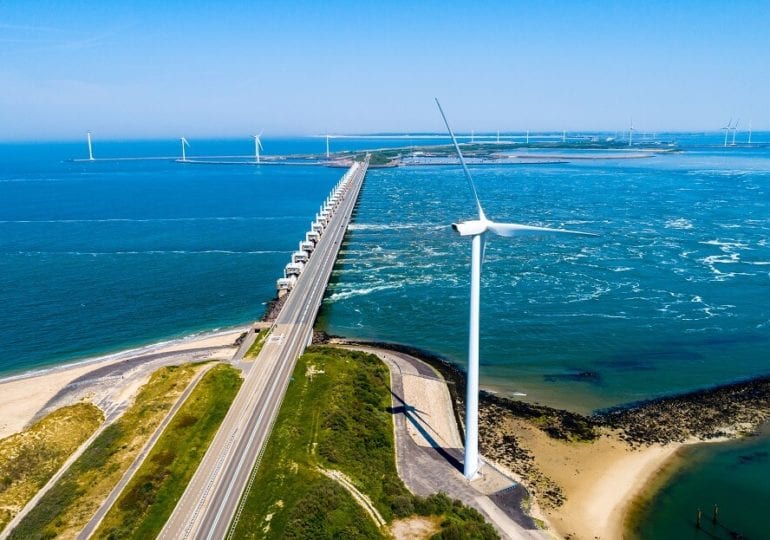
pixel 157 220
pixel 726 247
pixel 393 226
pixel 150 252
pixel 680 223
pixel 363 291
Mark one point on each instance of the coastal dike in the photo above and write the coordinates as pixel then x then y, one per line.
pixel 212 497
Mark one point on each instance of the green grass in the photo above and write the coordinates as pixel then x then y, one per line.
pixel 336 415
pixel 30 458
pixel 151 495
pixel 253 351
pixel 71 502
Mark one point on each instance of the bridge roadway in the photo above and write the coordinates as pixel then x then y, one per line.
pixel 211 499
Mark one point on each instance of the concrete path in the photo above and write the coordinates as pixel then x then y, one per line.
pixel 431 469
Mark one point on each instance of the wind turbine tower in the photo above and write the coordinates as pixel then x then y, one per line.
pixel 477 229
pixel 527 136
pixel 631 133
pixel 90 150
pixel 184 144
pixel 327 146
pixel 735 130
pixel 749 131
pixel 564 136
pixel 727 130
pixel 258 145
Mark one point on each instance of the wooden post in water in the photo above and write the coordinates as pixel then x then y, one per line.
pixel 697 519
pixel 716 514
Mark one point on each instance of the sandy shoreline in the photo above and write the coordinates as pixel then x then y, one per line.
pixel 585 472
pixel 24 395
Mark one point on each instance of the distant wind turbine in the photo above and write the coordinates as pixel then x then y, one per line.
pixel 258 144
pixel 90 150
pixel 327 145
pixel 749 132
pixel 564 136
pixel 735 130
pixel 727 129
pixel 631 133
pixel 477 230
pixel 184 143
pixel 527 136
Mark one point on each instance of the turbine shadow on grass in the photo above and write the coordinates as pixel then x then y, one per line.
pixel 412 415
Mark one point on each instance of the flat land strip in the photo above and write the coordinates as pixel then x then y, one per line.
pixel 71 502
pixel 150 496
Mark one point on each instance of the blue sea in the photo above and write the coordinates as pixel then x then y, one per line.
pixel 672 296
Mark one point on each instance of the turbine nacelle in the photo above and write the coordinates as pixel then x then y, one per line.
pixel 470 228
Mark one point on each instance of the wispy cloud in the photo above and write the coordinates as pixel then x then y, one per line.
pixel 48 39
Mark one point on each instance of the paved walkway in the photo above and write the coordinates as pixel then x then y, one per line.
pixel 434 468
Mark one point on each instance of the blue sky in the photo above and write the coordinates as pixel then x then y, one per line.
pixel 165 68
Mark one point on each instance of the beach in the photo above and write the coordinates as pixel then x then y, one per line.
pixel 108 381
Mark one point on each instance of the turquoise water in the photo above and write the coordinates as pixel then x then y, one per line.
pixel 732 476
pixel 98 257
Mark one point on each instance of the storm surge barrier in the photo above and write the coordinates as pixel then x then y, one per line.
pixel 212 497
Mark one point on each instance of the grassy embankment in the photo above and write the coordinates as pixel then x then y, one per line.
pixel 152 493
pixel 336 415
pixel 28 459
pixel 253 351
pixel 71 502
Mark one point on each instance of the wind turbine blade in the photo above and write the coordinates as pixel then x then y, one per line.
pixel 462 161
pixel 259 142
pixel 483 248
pixel 260 134
pixel 517 229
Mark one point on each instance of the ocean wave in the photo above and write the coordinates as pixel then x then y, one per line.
pixel 344 295
pixel 393 226
pixel 148 252
pixel 679 223
pixel 156 220
pixel 725 247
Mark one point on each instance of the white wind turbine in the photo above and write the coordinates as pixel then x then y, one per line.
pixel 735 130
pixel 90 150
pixel 258 144
pixel 749 132
pixel 727 129
pixel 477 230
pixel 631 132
pixel 184 143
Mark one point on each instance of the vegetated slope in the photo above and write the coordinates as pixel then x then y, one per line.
pixel 71 502
pixel 28 459
pixel 337 415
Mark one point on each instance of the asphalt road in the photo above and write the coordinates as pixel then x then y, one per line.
pixel 211 499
